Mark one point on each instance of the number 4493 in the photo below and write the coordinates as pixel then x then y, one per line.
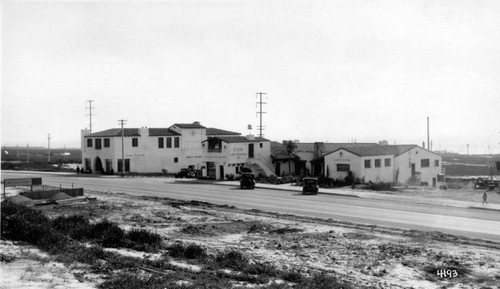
pixel 447 273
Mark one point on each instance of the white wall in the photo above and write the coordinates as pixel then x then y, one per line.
pixel 342 157
pixel 415 156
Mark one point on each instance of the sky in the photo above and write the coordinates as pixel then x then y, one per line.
pixel 332 71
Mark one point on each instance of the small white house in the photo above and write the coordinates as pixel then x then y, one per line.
pixel 398 164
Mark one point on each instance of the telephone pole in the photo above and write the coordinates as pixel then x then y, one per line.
pixel 260 112
pixel 90 113
pixel 122 122
pixel 49 144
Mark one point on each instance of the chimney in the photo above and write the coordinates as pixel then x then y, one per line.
pixel 144 132
pixel 383 143
pixel 196 122
pixel 319 147
pixel 250 137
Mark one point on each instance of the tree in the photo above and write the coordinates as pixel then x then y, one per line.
pixel 290 147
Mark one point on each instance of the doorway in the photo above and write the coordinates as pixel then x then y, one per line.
pixel 98 165
pixel 250 150
pixel 221 172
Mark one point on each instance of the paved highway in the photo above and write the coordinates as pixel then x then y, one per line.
pixel 484 224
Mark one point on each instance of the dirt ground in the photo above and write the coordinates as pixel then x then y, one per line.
pixel 366 256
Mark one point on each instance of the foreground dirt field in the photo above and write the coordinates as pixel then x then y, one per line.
pixel 364 256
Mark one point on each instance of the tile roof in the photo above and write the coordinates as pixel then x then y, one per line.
pixel 379 150
pixel 277 147
pixel 189 125
pixel 162 132
pixel 115 132
pixel 284 156
pixel 235 139
pixel 215 131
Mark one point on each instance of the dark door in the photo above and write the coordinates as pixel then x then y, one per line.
pixel 250 150
pixel 98 165
pixel 221 169
pixel 413 169
pixel 278 169
pixel 434 182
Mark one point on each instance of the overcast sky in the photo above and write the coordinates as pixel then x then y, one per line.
pixel 334 71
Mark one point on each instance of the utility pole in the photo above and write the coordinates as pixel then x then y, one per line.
pixel 428 141
pixel 49 145
pixel 260 112
pixel 90 113
pixel 28 151
pixel 122 122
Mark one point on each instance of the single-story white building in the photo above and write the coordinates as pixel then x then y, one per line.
pixel 398 164
pixel 214 152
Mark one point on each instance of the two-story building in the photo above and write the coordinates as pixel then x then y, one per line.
pixel 182 145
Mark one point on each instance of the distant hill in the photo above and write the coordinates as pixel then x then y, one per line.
pixel 470 165
pixel 40 154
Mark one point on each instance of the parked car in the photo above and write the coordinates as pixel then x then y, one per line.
pixel 310 187
pixel 185 173
pixel 247 181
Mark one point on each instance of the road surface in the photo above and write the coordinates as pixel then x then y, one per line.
pixel 483 224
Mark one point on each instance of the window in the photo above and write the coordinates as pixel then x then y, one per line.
pixel 343 167
pixel 261 145
pixel 424 163
pixel 106 142
pixel 135 142
pixel 127 165
pixel 176 142
pixel 387 162
pixel 169 142
pixel 368 164
pixel 98 143
pixel 89 142
pixel 161 142
pixel 176 160
pixel 436 163
pixel 377 163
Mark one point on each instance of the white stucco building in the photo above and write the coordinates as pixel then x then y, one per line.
pixel 214 152
pixel 398 164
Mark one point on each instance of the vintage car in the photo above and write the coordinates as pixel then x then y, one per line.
pixel 186 173
pixel 310 186
pixel 247 181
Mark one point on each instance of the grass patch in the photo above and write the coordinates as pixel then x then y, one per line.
pixel 190 251
pixel 282 231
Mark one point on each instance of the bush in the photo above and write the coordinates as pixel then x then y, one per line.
pixel 194 251
pixel 140 239
pixel 231 259
pixel 77 227
pixel 191 251
pixel 108 234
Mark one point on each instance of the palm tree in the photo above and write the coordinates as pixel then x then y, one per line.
pixel 290 147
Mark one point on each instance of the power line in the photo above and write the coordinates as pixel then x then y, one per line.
pixel 260 112
pixel 90 113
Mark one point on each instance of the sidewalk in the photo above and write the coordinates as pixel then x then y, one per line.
pixel 356 193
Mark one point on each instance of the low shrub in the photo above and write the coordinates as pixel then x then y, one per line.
pixel 77 226
pixel 195 251
pixel 231 259
pixel 140 239
pixel 191 251
pixel 108 234
pixel 293 276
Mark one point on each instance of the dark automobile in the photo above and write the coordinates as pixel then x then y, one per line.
pixel 185 173
pixel 310 186
pixel 247 181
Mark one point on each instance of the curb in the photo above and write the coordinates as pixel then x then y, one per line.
pixel 483 208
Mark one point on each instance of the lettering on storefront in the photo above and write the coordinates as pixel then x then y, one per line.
pixel 238 152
